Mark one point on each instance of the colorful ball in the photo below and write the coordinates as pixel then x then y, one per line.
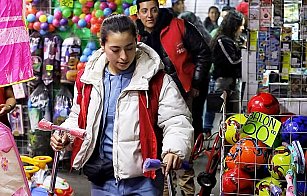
pixel 265 103
pixel 66 13
pixel 87 51
pixel 89 4
pixel 43 18
pixel 112 6
pixel 107 12
pixel 295 128
pixel 99 13
pixel 280 163
pixel 97 5
pixel 91 45
pixel 63 28
pixel 235 179
pixel 31 18
pixel 88 18
pixel 127 12
pixel 263 186
pixel 44 26
pixel 42 32
pixel 38 14
pixel 247 154
pixel 82 23
pixel 77 11
pixel 63 22
pixel 58 15
pixel 83 58
pixel 119 9
pixel 103 5
pixel 125 5
pixel 37 26
pixel 233 126
pixel 75 19
pixel 50 19
pixel 56 22
pixel 83 1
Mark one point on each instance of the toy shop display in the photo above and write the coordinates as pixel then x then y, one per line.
pixel 62 105
pixel 16 64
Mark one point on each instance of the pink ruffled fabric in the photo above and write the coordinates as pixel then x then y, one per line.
pixel 15 56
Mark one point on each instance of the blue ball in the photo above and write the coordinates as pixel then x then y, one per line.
pixel 127 12
pixel 107 12
pixel 295 128
pixel 91 45
pixel 87 51
pixel 82 23
pixel 42 32
pixel 50 19
pixel 31 18
pixel 83 58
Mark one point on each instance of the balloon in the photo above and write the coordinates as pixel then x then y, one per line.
pixel 38 14
pixel 86 10
pixel 58 15
pixel 103 5
pixel 97 5
pixel 82 23
pixel 107 11
pixel 90 4
pixel 99 13
pixel 127 12
pixel 118 2
pixel 50 19
pixel 77 5
pixel 75 19
pixel 63 28
pixel 83 59
pixel 56 22
pixel 32 10
pixel 100 20
pixel 35 2
pixel 88 18
pixel 119 9
pixel 44 26
pixel 129 1
pixel 125 6
pixel 43 18
pixel 77 11
pixel 91 45
pixel 42 32
pixel 87 51
pixel 37 26
pixel 63 22
pixel 30 25
pixel 57 9
pixel 66 13
pixel 82 16
pixel 82 1
pixel 112 6
pixel 31 18
pixel 51 28
pixel 94 20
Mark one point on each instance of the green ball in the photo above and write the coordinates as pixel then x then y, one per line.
pixel 77 11
pixel 119 9
pixel 97 5
pixel 66 13
pixel 99 13
pixel 77 5
pixel 129 1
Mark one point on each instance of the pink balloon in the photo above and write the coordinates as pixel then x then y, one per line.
pixel 112 5
pixel 56 22
pixel 103 5
pixel 75 19
pixel 88 18
pixel 58 15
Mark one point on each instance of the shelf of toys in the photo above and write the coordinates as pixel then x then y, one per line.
pixel 265 146
pixel 63 35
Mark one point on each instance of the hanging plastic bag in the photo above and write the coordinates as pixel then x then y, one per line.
pixel 62 105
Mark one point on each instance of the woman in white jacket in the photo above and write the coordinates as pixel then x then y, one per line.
pixel 111 154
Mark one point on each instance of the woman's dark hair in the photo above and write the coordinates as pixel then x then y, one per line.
pixel 229 26
pixel 117 23
pixel 213 7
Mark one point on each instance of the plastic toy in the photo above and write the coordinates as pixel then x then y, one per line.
pixel 233 126
pixel 263 102
pixel 280 163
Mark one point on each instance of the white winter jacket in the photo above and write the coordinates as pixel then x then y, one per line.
pixel 173 115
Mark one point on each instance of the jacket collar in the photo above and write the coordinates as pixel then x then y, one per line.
pixel 148 63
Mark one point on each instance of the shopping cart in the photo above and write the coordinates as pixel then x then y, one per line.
pixel 207 179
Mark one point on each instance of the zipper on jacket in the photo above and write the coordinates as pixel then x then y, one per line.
pixel 117 179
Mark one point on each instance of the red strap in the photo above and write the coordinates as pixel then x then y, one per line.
pixel 83 99
pixel 148 119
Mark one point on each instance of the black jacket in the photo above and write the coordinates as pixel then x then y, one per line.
pixel 192 40
pixel 226 58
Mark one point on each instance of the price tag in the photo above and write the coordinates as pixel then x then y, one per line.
pixel 262 127
pixel 67 3
pixel 133 10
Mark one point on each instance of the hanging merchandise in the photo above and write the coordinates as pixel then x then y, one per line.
pixel 36 48
pixel 15 61
pixel 70 54
pixel 62 105
pixel 51 64
pixel 39 108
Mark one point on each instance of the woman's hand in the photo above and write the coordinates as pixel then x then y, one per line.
pixel 59 143
pixel 172 161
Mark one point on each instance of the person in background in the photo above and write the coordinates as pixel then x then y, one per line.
pixel 7 103
pixel 177 7
pixel 116 145
pixel 227 60
pixel 210 22
pixel 195 20
pixel 209 116
pixel 187 58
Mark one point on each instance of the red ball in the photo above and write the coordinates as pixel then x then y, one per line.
pixel 236 179
pixel 37 26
